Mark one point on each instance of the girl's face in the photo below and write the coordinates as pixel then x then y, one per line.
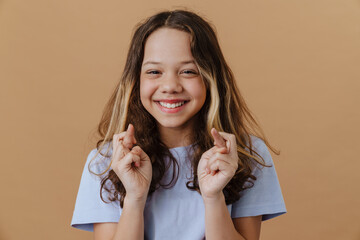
pixel 171 88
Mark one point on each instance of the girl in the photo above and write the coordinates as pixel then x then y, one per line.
pixel 178 157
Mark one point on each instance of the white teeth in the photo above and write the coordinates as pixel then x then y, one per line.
pixel 172 105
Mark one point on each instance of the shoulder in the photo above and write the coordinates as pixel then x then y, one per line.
pixel 98 159
pixel 265 196
pixel 259 146
pixel 89 207
pixel 257 143
pixel 102 151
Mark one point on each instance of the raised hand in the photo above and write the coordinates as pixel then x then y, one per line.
pixel 217 165
pixel 132 165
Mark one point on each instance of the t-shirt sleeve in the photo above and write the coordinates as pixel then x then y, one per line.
pixel 89 208
pixel 265 197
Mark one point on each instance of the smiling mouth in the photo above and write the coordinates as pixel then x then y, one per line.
pixel 172 105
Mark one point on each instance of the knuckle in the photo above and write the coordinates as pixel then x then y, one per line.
pixel 137 158
pixel 129 155
pixel 214 163
pixel 126 158
pixel 137 150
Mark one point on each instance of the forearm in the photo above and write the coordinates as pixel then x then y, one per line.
pixel 131 223
pixel 218 222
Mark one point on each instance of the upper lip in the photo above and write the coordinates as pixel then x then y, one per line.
pixel 171 100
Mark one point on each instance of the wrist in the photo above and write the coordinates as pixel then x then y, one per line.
pixel 138 203
pixel 214 199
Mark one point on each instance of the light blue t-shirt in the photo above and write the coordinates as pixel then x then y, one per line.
pixel 179 213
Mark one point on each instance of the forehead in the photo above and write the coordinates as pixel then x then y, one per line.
pixel 167 44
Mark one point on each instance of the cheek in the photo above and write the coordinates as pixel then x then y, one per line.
pixel 146 91
pixel 199 91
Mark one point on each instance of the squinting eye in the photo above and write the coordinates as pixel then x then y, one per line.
pixel 153 72
pixel 189 72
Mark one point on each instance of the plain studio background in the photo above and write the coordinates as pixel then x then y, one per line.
pixel 296 62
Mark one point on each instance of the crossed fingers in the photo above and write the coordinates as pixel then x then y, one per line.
pixel 222 152
pixel 219 141
pixel 124 142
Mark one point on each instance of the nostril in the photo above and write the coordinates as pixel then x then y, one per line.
pixel 171 88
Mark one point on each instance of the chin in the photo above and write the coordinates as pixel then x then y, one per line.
pixel 171 125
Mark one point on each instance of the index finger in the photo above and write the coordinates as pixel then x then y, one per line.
pixel 219 141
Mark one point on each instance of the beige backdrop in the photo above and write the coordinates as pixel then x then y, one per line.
pixel 296 62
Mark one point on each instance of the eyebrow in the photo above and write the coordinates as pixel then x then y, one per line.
pixel 154 62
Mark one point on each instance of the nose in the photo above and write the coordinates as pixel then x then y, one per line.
pixel 170 84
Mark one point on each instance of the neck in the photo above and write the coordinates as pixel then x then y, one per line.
pixel 177 136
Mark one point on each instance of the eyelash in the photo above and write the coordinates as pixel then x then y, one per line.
pixel 151 72
pixel 190 71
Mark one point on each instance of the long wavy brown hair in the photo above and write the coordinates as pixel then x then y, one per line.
pixel 224 109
